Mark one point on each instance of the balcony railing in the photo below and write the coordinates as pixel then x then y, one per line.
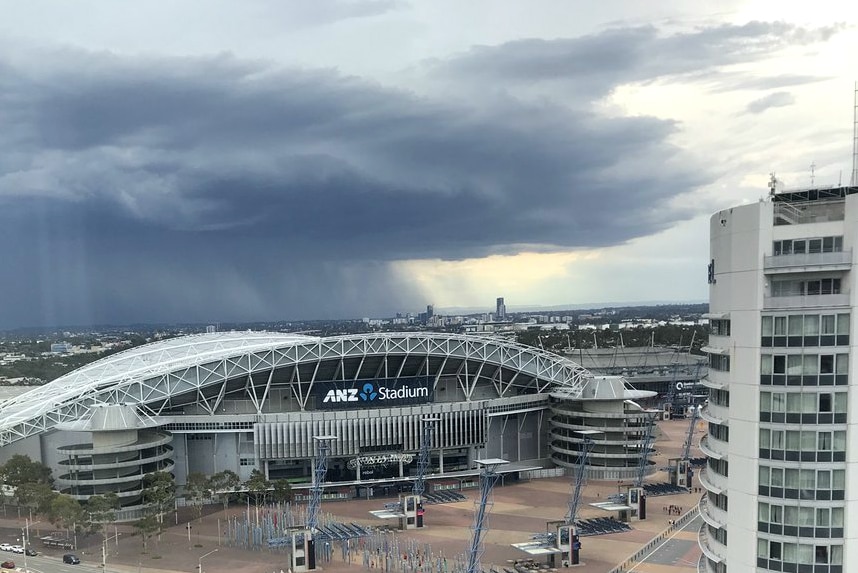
pixel 807 301
pixel 841 260
pixel 708 546
pixel 712 481
pixel 713 448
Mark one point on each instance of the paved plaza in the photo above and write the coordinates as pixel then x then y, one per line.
pixel 518 512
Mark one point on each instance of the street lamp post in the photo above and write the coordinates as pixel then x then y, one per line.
pixel 200 563
pixel 25 534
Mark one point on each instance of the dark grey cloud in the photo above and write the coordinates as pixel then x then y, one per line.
pixel 598 62
pixel 144 188
pixel 775 99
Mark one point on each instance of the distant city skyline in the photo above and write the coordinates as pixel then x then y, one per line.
pixel 201 162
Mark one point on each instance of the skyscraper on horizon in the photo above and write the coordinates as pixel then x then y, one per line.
pixel 500 313
pixel 782 456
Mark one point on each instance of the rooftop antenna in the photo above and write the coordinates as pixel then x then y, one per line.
pixel 854 182
pixel 812 170
pixel 773 184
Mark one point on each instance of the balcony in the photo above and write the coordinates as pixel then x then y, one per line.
pixel 716 415
pixel 716 379
pixel 797 262
pixel 713 448
pixel 709 546
pixel 713 481
pixel 711 514
pixel 806 301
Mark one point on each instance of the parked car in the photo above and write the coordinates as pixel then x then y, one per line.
pixel 5 547
pixel 31 552
pixel 17 549
pixel 71 559
pixel 8 565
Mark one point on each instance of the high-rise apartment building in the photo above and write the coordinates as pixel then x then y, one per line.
pixel 782 468
pixel 500 312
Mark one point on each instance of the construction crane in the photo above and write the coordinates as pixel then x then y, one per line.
pixel 586 446
pixel 488 478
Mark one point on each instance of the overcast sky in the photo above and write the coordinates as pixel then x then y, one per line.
pixel 217 160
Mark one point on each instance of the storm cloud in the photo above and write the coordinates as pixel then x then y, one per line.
pixel 144 188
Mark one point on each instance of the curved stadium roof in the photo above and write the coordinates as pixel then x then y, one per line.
pixel 151 373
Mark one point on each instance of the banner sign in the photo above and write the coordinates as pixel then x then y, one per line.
pixel 378 393
pixel 379 460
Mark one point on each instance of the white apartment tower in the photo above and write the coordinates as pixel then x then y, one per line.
pixel 782 443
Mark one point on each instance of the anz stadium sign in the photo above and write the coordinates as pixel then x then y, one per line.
pixel 379 393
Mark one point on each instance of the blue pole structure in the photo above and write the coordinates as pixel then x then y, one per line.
pixel 323 444
pixel 423 459
pixel 580 474
pixel 646 442
pixel 488 478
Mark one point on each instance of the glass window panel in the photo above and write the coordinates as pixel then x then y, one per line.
pixel 836 517
pixel 827 324
pixel 808 440
pixel 778 439
pixel 777 477
pixel 842 324
pixel 821 554
pixel 786 247
pixel 805 516
pixel 805 553
pixel 838 479
pixel 823 479
pixel 808 481
pixel 811 324
pixel 825 402
pixel 774 550
pixel 780 325
pixel 793 440
pixel 839 441
pixel 794 362
pixel 766 364
pixel 808 403
pixel 827 244
pixel 790 515
pixel 793 403
pixel 765 439
pixel 790 552
pixel 765 474
pixel 824 441
pixel 767 326
pixel 763 512
pixel 776 514
pixel 826 364
pixel 811 365
pixel 796 324
pixel 762 548
pixel 779 364
pixel 778 402
pixel 765 401
pixel 838 244
pixel 840 399
pixel 814 287
pixel 842 364
pixel 790 477
pixel 836 555
pixel 823 517
pixel 799 247
pixel 815 246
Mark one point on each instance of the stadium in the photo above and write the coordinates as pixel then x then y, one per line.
pixel 241 401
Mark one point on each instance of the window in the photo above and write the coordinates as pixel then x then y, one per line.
pixel 719 362
pixel 719 327
pixel 825 402
pixel 814 245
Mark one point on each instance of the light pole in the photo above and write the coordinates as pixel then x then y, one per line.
pixel 25 534
pixel 200 564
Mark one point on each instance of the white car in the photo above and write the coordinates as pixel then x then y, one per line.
pixel 5 547
pixel 17 549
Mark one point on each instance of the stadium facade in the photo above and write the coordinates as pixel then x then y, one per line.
pixel 241 401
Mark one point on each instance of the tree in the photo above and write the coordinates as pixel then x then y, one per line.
pixel 20 469
pixel 223 484
pixel 147 526
pixel 66 512
pixel 159 493
pixel 101 509
pixel 37 496
pixel 282 491
pixel 257 487
pixel 198 489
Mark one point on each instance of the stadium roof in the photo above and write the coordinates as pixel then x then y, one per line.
pixel 150 373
